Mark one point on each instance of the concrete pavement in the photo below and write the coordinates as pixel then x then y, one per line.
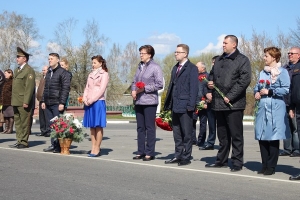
pixel 115 175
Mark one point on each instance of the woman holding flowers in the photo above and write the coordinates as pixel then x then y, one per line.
pixel 271 122
pixel 94 103
pixel 147 81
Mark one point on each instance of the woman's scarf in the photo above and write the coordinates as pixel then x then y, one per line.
pixel 274 71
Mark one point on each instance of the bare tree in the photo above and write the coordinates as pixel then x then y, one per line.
pixel 16 30
pixel 204 57
pixel 79 56
pixel 116 87
pixel 296 34
pixel 167 65
pixel 253 48
pixel 131 58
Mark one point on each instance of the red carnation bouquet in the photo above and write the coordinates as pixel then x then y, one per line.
pixel 140 84
pixel 203 78
pixel 164 120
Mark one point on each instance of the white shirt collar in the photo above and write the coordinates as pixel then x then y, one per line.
pixel 21 67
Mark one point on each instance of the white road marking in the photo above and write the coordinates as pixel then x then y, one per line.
pixel 159 166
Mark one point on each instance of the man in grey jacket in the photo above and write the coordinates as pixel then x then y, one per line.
pixel 231 73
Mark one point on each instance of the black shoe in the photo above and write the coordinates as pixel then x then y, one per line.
pixel 295 177
pixel 294 154
pixel 14 145
pixel 94 155
pixel 49 149
pixel 269 171
pixel 138 157
pixel 200 144
pixel 284 153
pixel 22 146
pixel 216 165
pixel 236 169
pixel 173 160
pixel 148 158
pixel 40 134
pixel 206 147
pixel 47 135
pixel 56 150
pixel 184 162
pixel 194 143
pixel 262 170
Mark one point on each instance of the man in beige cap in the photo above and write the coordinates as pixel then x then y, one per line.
pixel 22 100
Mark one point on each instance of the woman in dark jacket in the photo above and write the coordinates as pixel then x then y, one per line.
pixel 5 101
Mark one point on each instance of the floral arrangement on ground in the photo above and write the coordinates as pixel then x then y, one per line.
pixel 164 120
pixel 67 126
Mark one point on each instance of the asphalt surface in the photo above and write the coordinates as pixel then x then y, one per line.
pixel 33 174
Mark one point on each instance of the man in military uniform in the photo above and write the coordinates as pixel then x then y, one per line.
pixel 22 99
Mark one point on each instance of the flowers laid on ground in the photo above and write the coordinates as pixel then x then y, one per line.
pixel 203 78
pixel 201 105
pixel 263 84
pixel 164 120
pixel 140 84
pixel 80 99
pixel 67 126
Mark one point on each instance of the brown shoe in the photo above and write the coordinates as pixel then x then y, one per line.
pixel 11 125
pixel 6 124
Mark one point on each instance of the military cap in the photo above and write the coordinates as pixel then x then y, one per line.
pixel 21 52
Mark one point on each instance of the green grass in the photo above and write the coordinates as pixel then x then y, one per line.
pixel 120 117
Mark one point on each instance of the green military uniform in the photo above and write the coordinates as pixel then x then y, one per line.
pixel 23 90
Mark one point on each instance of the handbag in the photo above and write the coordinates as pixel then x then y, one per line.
pixel 1 117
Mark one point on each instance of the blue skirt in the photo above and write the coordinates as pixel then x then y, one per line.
pixel 95 115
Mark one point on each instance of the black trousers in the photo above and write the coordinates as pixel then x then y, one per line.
pixel 230 133
pixel 51 112
pixel 145 118
pixel 43 120
pixel 202 114
pixel 298 120
pixel 269 151
pixel 182 133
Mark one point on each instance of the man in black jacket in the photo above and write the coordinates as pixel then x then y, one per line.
pixel 56 92
pixel 231 73
pixel 291 146
pixel 295 97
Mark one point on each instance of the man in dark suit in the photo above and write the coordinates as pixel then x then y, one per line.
pixel 22 99
pixel 42 113
pixel 181 99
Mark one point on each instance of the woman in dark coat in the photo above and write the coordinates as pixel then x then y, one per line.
pixel 5 101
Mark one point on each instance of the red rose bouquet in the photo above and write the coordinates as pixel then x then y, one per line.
pixel 66 126
pixel 140 84
pixel 164 120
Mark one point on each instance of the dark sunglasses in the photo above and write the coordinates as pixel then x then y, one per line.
pixel 291 53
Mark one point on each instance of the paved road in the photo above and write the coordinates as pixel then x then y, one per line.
pixel 33 174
